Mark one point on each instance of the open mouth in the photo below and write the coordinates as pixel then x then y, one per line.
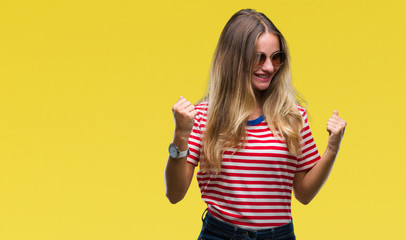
pixel 263 76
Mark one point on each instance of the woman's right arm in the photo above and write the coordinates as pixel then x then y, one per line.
pixel 179 173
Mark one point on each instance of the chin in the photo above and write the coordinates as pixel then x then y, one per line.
pixel 261 87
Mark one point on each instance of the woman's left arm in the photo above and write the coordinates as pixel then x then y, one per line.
pixel 307 184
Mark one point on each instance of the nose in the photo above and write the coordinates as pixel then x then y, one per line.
pixel 267 66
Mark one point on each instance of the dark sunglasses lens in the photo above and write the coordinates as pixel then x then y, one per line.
pixel 261 58
pixel 278 59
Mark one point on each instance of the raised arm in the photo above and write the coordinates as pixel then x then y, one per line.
pixel 179 173
pixel 307 184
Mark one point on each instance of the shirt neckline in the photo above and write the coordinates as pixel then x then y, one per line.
pixel 255 121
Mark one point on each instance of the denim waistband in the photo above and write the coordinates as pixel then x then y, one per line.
pixel 269 233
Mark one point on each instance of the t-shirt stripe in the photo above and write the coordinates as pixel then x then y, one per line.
pixel 254 188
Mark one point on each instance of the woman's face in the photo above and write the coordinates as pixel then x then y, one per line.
pixel 267 44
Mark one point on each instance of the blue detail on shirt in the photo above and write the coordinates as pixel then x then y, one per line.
pixel 255 121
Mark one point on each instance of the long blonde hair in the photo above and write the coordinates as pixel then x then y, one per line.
pixel 232 98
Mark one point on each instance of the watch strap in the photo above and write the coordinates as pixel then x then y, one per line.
pixel 183 153
pixel 175 153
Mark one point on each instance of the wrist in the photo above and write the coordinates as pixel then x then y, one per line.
pixel 181 135
pixel 175 153
pixel 332 150
pixel 181 139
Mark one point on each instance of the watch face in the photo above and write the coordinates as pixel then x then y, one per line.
pixel 173 151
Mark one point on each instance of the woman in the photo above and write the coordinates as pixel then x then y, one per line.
pixel 250 136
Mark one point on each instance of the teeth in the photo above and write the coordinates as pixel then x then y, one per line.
pixel 262 76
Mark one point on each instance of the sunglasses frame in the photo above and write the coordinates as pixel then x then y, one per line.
pixel 258 60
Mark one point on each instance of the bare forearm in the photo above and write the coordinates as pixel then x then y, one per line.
pixel 307 184
pixel 177 173
pixel 314 179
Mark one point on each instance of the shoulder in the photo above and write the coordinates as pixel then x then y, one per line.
pixel 202 104
pixel 303 113
pixel 302 110
pixel 201 115
pixel 202 107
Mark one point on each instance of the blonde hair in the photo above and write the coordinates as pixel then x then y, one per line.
pixel 231 96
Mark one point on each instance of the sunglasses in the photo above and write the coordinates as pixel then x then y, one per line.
pixel 277 59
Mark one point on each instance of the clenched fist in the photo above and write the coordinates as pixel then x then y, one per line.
pixel 183 113
pixel 336 128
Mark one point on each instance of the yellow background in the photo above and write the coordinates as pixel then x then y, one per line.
pixel 86 89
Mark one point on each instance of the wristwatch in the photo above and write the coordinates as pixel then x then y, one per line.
pixel 175 153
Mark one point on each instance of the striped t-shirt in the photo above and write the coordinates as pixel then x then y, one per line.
pixel 254 188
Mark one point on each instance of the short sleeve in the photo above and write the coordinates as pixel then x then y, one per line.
pixel 310 154
pixel 195 137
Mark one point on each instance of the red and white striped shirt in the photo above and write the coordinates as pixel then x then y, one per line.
pixel 254 188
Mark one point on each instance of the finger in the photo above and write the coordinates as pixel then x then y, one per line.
pixel 344 123
pixel 328 130
pixel 336 128
pixel 333 120
pixel 333 125
pixel 338 122
pixel 329 126
pixel 190 108
pixel 193 113
pixel 332 129
pixel 185 104
pixel 180 101
pixel 335 113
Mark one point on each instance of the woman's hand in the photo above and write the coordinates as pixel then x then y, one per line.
pixel 336 128
pixel 183 113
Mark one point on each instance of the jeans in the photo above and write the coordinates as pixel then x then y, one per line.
pixel 214 229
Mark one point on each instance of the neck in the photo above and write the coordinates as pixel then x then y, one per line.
pixel 257 111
